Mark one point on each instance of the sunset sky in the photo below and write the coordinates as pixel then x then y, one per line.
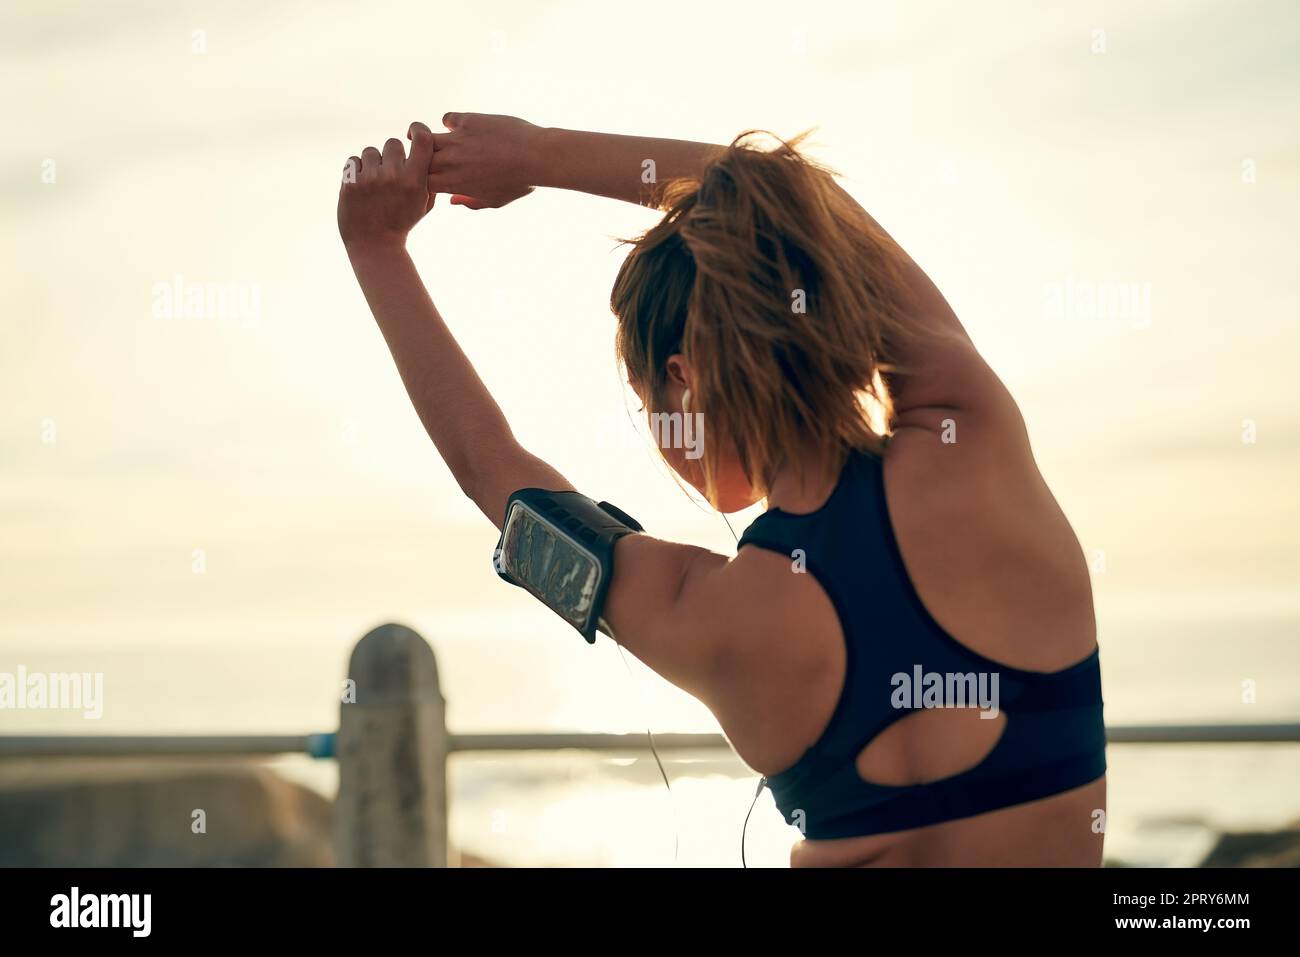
pixel 1046 164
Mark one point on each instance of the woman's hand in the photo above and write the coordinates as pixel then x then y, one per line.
pixel 486 161
pixel 385 194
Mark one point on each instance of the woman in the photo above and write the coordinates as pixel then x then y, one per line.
pixel 904 643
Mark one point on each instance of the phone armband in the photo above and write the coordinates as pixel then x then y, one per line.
pixel 559 546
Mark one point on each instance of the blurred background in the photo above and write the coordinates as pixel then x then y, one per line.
pixel 210 505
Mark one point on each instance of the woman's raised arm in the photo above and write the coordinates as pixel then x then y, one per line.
pixel 487 161
pixel 630 168
pixel 663 602
pixel 382 197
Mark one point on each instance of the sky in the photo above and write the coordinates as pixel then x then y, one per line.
pixel 1105 192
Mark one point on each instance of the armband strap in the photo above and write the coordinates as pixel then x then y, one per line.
pixel 560 547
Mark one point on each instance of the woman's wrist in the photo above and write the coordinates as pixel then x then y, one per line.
pixel 547 156
pixel 375 246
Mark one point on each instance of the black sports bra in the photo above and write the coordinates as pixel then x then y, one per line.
pixel 900 660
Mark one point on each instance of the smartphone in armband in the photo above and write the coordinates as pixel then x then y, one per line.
pixel 559 546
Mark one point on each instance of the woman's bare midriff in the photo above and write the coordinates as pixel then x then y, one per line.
pixel 1065 830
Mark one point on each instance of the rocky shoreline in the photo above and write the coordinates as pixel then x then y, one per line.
pixel 164 813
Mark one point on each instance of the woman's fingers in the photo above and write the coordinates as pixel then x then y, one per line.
pixel 422 147
pixel 469 202
pixel 420 164
pixel 394 155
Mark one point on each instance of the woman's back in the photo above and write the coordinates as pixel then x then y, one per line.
pixel 978 541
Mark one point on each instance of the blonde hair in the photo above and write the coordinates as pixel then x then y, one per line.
pixel 721 279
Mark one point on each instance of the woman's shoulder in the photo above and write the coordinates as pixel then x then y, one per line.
pixel 987 546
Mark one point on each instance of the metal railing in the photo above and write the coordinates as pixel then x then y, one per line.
pixel 321 746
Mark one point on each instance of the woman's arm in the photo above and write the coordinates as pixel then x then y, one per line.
pixel 457 411
pixel 668 602
pixel 487 161
pixel 380 201
pixel 631 168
